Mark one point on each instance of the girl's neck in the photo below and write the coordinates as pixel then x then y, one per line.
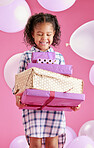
pixel 40 49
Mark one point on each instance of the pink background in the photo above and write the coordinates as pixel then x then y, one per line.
pixel 12 43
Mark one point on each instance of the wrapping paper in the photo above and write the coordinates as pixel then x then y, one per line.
pixel 42 55
pixel 62 69
pixel 46 100
pixel 47 61
pixel 36 78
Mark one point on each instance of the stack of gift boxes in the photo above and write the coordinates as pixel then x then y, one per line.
pixel 47 85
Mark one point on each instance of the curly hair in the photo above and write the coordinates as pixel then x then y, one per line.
pixel 41 18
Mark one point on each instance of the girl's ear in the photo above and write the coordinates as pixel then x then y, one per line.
pixel 32 33
pixel 53 33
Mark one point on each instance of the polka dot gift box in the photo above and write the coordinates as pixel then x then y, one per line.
pixel 36 78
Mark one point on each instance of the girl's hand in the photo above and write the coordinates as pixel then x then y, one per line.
pixel 18 101
pixel 76 108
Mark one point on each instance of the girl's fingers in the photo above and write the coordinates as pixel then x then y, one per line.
pixel 22 106
pixel 18 101
pixel 75 108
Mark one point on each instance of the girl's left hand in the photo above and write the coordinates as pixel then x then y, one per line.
pixel 75 108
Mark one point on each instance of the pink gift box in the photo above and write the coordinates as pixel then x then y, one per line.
pixel 62 69
pixel 46 100
pixel 42 55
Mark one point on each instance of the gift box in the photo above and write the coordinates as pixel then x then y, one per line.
pixel 42 55
pixel 47 100
pixel 36 78
pixel 62 69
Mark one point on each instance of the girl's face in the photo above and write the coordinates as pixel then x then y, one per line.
pixel 43 35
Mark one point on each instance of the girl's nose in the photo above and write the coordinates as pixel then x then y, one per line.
pixel 44 36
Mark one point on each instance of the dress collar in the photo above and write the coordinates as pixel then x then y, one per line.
pixel 34 49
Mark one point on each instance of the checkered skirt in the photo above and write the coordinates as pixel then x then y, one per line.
pixel 41 124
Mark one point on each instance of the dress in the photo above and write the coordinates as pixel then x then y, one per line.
pixel 42 123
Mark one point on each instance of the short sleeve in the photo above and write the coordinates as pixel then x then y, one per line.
pixel 23 63
pixel 62 61
pixel 60 58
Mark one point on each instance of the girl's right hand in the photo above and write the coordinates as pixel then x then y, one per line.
pixel 18 101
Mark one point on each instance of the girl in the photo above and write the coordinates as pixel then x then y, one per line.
pixel 42 127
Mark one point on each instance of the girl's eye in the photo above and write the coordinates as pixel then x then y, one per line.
pixel 48 34
pixel 40 34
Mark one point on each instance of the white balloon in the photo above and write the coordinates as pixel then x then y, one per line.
pixel 56 5
pixel 87 129
pixel 11 68
pixel 70 135
pixel 81 142
pixel 91 75
pixel 82 41
pixel 19 142
pixel 13 17
pixel 5 2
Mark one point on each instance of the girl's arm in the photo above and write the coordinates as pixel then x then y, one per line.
pixel 22 66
